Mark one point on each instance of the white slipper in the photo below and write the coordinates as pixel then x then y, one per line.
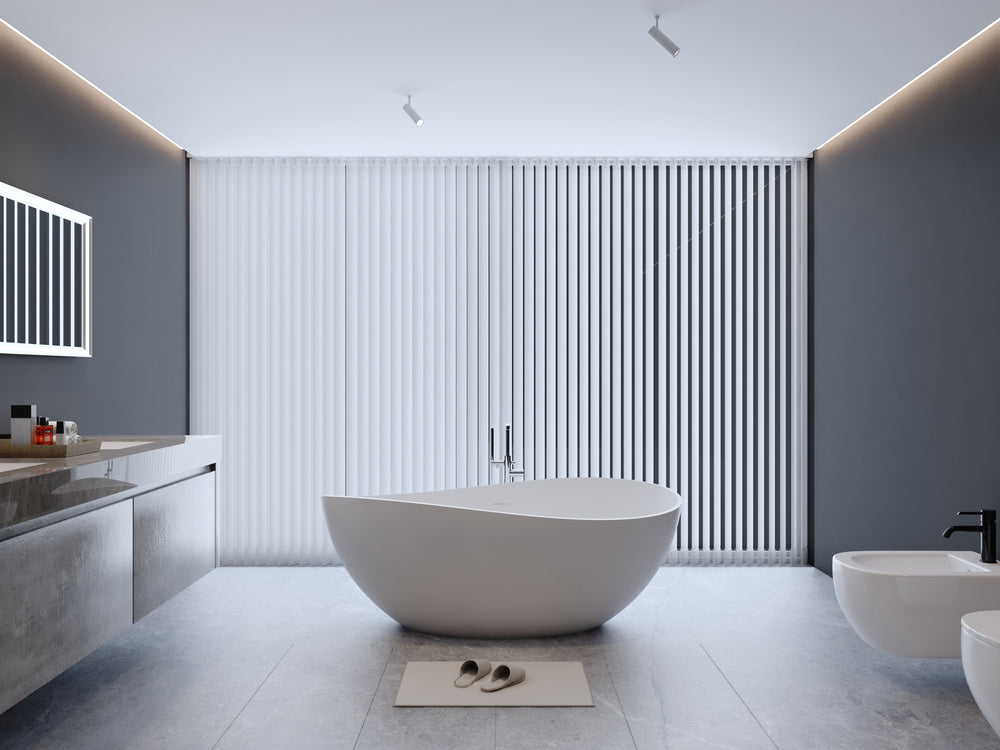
pixel 503 676
pixel 472 670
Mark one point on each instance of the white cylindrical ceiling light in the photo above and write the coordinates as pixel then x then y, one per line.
pixel 408 108
pixel 663 40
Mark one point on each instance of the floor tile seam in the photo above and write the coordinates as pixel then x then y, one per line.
pixel 252 696
pixel 681 579
pixel 737 694
pixel 621 706
pixel 381 679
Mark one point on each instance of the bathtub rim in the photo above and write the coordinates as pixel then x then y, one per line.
pixel 405 498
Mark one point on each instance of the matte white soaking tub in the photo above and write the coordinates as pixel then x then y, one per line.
pixel 523 559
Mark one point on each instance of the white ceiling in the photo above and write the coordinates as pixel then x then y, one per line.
pixel 499 77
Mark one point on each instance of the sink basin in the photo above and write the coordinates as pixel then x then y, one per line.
pixel 15 465
pixel 117 445
pixel 921 563
pixel 910 603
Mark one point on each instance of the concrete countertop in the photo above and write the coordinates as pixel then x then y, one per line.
pixel 54 489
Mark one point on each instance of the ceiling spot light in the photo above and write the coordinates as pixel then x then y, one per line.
pixel 408 108
pixel 663 40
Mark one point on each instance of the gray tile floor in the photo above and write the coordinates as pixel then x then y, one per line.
pixel 298 658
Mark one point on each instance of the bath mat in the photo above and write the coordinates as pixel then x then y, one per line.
pixel 548 683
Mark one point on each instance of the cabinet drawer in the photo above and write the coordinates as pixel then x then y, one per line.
pixel 174 540
pixel 64 590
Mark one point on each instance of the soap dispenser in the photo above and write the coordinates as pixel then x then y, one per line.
pixel 22 424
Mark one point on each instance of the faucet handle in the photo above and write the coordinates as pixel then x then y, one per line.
pixel 989 514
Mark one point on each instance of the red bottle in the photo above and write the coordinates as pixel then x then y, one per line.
pixel 43 432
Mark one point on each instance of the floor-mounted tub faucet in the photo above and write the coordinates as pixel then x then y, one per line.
pixel 988 530
pixel 509 472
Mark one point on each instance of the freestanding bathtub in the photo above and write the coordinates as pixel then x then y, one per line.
pixel 523 559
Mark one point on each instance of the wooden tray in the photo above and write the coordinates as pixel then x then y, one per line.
pixel 47 451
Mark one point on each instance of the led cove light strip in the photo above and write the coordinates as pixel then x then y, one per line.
pixel 907 85
pixel 96 88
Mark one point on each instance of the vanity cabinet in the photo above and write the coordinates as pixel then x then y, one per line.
pixel 77 575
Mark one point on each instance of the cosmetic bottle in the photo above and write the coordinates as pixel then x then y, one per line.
pixel 59 433
pixel 43 432
pixel 22 424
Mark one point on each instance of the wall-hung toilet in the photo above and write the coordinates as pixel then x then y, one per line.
pixel 981 661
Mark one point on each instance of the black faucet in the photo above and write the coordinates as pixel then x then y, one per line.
pixel 988 544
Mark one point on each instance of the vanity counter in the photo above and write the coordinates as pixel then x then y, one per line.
pixel 48 490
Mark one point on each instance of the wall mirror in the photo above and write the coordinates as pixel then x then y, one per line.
pixel 46 276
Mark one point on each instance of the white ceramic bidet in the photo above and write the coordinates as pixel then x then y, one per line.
pixel 912 603
pixel 981 662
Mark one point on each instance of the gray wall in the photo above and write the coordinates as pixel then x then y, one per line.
pixel 62 140
pixel 906 315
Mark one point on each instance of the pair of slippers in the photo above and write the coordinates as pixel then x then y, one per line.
pixel 503 676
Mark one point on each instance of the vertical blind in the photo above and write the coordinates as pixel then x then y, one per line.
pixel 358 326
